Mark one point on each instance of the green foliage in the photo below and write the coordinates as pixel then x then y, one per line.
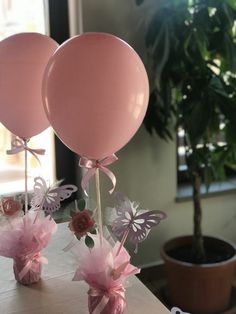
pixel 81 204
pixel 93 231
pixel 89 242
pixel 191 53
pixel 191 49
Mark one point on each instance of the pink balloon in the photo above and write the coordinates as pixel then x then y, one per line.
pixel 95 93
pixel 23 58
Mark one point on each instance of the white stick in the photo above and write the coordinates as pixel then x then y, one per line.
pixel 26 176
pixel 76 205
pixel 99 208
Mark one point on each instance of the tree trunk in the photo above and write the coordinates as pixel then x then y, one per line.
pixel 198 245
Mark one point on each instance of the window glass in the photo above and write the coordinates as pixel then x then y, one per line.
pixel 15 17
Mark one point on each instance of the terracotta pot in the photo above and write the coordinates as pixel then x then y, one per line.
pixel 199 288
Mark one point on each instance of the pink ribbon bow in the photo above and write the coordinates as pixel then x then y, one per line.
pixel 30 260
pixel 19 145
pixel 117 292
pixel 92 165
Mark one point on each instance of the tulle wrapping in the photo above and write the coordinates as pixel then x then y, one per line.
pixel 22 239
pixel 113 303
pixel 106 272
pixel 33 273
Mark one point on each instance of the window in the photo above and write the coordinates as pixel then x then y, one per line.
pixel 24 16
pixel 184 189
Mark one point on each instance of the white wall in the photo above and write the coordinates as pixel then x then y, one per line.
pixel 146 169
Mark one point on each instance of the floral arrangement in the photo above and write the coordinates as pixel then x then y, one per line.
pixel 82 223
pixel 105 269
pixel 105 265
pixel 22 239
pixel 24 235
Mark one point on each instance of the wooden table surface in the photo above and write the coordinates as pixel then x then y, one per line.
pixel 56 293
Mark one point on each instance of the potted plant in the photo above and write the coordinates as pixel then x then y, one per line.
pixel 191 54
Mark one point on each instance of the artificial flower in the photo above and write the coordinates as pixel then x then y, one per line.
pixel 81 223
pixel 10 207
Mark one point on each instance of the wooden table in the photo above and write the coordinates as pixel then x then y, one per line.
pixel 56 293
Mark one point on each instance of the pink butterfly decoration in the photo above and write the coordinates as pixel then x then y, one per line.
pixel 49 198
pixel 135 223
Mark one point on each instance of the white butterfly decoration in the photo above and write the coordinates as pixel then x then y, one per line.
pixel 135 223
pixel 49 198
pixel 176 310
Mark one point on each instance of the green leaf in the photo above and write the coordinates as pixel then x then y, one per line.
pixel 89 242
pixel 202 41
pixel 81 204
pixel 197 120
pixel 231 3
pixel 217 86
pixel 161 49
pixel 228 108
pixel 157 119
pixel 230 48
pixel 230 132
pixel 186 45
pixel 93 231
pixel 229 13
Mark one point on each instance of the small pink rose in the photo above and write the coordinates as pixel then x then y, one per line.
pixel 10 207
pixel 81 223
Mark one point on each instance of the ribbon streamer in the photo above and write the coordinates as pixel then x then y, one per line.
pixel 18 146
pixel 95 292
pixel 92 165
pixel 30 260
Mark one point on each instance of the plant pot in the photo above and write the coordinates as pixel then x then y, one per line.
pixel 107 303
pixel 199 288
pixel 33 273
